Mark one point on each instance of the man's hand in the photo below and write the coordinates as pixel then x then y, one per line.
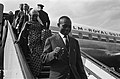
pixel 57 49
pixel 17 26
pixel 54 53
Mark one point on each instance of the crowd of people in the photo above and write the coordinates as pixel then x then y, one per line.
pixel 23 15
pixel 60 50
pixel 29 24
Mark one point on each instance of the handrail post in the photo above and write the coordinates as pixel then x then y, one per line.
pixel 1 74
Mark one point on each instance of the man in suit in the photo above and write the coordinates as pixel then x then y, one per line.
pixel 43 16
pixel 17 11
pixel 62 52
pixel 17 15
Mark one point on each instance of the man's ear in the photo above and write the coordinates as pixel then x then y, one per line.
pixel 58 24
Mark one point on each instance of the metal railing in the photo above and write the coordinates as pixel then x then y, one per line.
pixel 23 63
pixel 101 65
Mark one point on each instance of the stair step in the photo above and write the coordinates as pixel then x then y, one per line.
pixel 46 68
pixel 45 74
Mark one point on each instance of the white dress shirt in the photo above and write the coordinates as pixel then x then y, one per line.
pixel 62 36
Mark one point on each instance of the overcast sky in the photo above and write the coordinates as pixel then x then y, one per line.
pixel 98 13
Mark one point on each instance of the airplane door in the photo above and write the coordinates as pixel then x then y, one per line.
pixel 1 15
pixel 1 49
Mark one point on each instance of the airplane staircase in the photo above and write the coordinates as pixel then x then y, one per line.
pixel 16 67
pixel 98 69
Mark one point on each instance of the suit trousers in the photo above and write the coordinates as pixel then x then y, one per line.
pixel 71 75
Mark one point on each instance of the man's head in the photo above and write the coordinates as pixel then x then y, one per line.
pixel 21 6
pixel 40 6
pixel 26 7
pixel 64 25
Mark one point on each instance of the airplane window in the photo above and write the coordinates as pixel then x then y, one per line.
pixel 111 40
pixel 103 40
pixel 95 38
pixel 90 36
pixel 114 39
pixel 75 36
pixel 80 35
pixel 85 37
pixel 99 37
pixel 118 41
pixel 107 39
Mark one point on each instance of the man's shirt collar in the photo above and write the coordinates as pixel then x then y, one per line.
pixel 61 35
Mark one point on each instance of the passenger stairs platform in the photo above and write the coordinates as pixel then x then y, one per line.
pixel 16 67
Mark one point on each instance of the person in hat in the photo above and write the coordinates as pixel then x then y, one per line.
pixel 17 11
pixel 43 16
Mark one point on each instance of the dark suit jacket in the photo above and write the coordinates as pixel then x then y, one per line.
pixel 44 18
pixel 16 13
pixel 58 69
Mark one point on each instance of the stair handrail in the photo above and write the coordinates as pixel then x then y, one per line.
pixel 23 63
pixel 101 65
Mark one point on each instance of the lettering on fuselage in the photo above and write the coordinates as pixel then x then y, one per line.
pixel 79 28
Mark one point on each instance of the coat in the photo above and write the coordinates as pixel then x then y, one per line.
pixel 59 67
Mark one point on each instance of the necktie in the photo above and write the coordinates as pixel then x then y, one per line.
pixel 66 42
